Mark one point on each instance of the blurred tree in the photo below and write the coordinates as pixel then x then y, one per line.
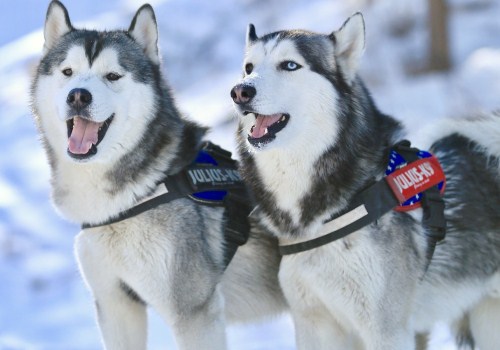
pixel 439 50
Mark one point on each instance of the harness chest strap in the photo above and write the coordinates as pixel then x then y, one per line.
pixel 366 207
pixel 216 183
pixel 383 196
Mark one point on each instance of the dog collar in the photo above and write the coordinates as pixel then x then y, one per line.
pixel 416 174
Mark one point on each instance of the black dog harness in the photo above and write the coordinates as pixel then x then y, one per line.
pixel 212 179
pixel 419 179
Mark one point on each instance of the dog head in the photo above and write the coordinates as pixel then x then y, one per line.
pixel 293 84
pixel 95 88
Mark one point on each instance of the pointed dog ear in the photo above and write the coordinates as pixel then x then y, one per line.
pixel 57 24
pixel 251 35
pixel 144 30
pixel 349 44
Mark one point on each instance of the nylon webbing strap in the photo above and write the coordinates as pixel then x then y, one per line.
pixel 377 200
pixel 139 209
pixel 237 226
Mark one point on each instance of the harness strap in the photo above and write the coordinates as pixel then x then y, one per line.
pixel 433 207
pixel 234 197
pixel 236 230
pixel 139 208
pixel 434 222
pixel 372 203
pixel 366 207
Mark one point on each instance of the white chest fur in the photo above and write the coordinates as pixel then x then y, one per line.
pixel 287 177
pixel 84 193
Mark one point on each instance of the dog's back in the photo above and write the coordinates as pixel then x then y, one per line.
pixel 469 257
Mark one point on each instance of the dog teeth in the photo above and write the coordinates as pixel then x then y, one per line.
pixel 282 118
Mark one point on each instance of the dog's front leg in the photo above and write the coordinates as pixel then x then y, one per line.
pixel 122 321
pixel 200 326
pixel 388 327
pixel 395 340
pixel 315 326
pixel 320 332
pixel 121 314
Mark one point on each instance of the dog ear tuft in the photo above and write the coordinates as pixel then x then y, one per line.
pixel 144 30
pixel 57 23
pixel 349 44
pixel 251 34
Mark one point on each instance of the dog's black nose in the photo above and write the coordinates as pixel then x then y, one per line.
pixel 243 93
pixel 79 98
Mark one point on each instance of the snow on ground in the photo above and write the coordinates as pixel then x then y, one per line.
pixel 44 304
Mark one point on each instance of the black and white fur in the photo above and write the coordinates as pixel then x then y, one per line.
pixel 310 137
pixel 129 135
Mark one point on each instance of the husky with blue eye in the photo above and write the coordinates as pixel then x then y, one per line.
pixel 313 146
pixel 114 136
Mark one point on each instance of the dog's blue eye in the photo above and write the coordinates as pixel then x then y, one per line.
pixel 67 72
pixel 290 65
pixel 113 76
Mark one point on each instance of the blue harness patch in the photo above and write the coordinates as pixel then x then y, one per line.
pixel 211 195
pixel 211 176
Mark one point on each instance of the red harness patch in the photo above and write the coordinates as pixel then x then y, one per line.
pixel 415 178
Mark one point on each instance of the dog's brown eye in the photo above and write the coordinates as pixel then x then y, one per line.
pixel 67 72
pixel 248 68
pixel 113 76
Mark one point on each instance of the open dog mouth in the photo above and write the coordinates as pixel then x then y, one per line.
pixel 84 135
pixel 266 127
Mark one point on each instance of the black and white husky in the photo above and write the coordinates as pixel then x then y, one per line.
pixel 112 132
pixel 311 140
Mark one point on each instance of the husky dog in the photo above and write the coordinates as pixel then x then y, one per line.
pixel 112 132
pixel 310 139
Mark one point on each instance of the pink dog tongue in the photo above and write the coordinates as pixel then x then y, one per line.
pixel 83 135
pixel 262 122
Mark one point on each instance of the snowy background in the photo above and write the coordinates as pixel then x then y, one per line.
pixel 43 303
